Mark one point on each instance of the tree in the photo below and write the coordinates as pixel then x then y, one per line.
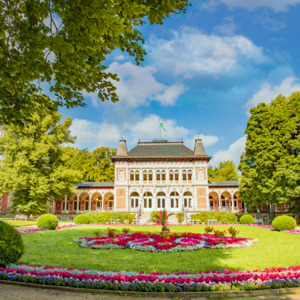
pixel 34 161
pixel 270 165
pixel 65 44
pixel 225 171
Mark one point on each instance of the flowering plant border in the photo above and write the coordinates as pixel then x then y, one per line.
pixel 151 242
pixel 225 280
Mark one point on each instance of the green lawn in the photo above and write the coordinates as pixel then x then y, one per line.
pixel 18 223
pixel 55 248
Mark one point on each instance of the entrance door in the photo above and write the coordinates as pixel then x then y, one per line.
pixel 148 201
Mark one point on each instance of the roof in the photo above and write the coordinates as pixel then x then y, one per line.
pixel 95 184
pixel 223 183
pixel 161 149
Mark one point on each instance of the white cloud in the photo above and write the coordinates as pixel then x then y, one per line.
pixel 138 87
pixel 268 92
pixel 232 153
pixel 275 5
pixel 228 27
pixel 193 52
pixel 92 134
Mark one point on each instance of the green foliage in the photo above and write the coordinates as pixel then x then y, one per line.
pixel 222 217
pixel 95 166
pixel 233 232
pixel 209 229
pixel 180 217
pixel 47 221
pixel 163 217
pixel 270 166
pixel 47 41
pixel 125 230
pixel 34 161
pixel 11 244
pixel 247 219
pixel 225 171
pixel 154 216
pixel 284 223
pixel 82 219
pixel 111 232
pixel 32 208
pixel 219 233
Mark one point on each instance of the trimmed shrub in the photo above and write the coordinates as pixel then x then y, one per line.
pixel 127 217
pixel 11 244
pixel 82 219
pixel 230 218
pixel 284 223
pixel 153 216
pixel 47 221
pixel 180 217
pixel 247 219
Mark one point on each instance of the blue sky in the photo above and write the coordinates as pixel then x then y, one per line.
pixel 204 70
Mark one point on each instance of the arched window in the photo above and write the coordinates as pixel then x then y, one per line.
pixel 187 199
pixel 131 175
pixel 184 175
pixel 134 200
pixel 150 175
pixel 145 175
pixel 176 175
pixel 171 174
pixel 137 175
pixel 190 173
pixel 161 200
pixel 163 175
pixel 174 196
pixel 148 200
pixel 158 175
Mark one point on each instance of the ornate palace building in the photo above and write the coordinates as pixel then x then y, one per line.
pixel 153 176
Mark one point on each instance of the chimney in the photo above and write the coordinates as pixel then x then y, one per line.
pixel 122 150
pixel 199 149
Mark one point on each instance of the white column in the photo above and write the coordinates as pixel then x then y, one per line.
pixel 90 203
pixel 66 199
pixel 102 197
pixel 231 202
pixel 219 196
pixel 77 204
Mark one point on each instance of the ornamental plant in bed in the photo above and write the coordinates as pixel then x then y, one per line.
pixel 151 242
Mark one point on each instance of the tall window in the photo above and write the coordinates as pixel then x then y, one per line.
pixel 171 175
pixel 134 200
pixel 137 176
pixel 75 204
pixel 184 175
pixel 187 199
pixel 131 175
pixel 190 175
pixel 174 200
pixel 161 200
pixel 147 176
pixel 158 175
pixel 150 175
pixel 163 175
pixel 147 200
pixel 176 175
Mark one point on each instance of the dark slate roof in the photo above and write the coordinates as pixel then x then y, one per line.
pixel 161 149
pixel 223 183
pixel 95 184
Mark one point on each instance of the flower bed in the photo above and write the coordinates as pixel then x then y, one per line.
pixel 150 242
pixel 155 282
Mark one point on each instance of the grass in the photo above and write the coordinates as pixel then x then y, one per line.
pixel 18 223
pixel 55 248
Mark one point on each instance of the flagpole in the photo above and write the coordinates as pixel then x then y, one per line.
pixel 159 128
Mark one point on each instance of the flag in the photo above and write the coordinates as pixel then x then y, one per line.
pixel 162 126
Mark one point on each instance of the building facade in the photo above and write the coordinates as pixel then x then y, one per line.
pixel 154 176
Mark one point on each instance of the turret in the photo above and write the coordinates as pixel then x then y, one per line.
pixel 122 149
pixel 199 149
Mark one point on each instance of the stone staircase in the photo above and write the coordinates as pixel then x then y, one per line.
pixel 146 218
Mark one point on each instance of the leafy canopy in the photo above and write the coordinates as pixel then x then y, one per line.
pixel 65 44
pixel 225 171
pixel 270 166
pixel 34 161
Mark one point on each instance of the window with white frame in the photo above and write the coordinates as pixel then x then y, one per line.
pixel 161 200
pixel 163 175
pixel 171 175
pixel 134 200
pixel 137 176
pixel 131 175
pixel 147 200
pixel 174 197
pixel 147 175
pixel 187 199
pixel 190 175
pixel 184 175
pixel 158 173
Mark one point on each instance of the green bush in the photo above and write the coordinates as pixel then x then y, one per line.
pixel 247 219
pixel 180 217
pixel 284 223
pixel 47 221
pixel 153 216
pixel 222 217
pixel 11 244
pixel 230 218
pixel 82 219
